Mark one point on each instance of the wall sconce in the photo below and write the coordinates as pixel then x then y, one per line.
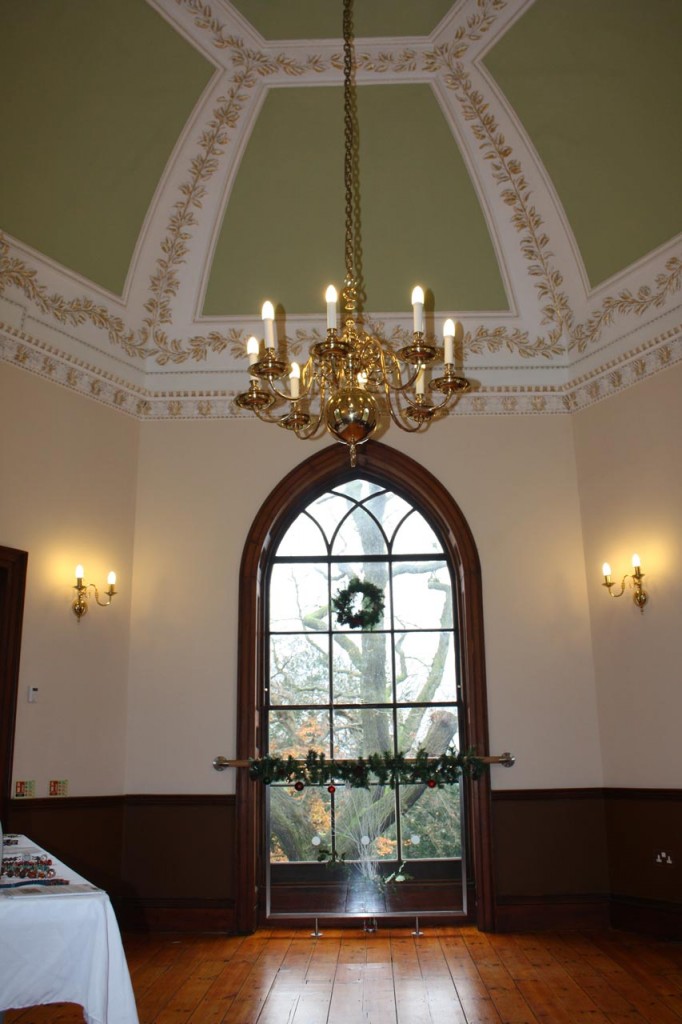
pixel 639 596
pixel 80 603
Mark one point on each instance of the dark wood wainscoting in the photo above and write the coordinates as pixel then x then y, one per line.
pixel 575 857
pixel 562 858
pixel 167 862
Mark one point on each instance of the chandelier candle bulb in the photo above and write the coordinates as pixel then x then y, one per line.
pixel 111 580
pixel 606 570
pixel 331 297
pixel 418 309
pixel 449 342
pixel 268 315
pixel 295 377
pixel 636 564
pixel 79 575
pixel 252 350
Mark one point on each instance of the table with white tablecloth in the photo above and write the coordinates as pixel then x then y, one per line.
pixel 62 944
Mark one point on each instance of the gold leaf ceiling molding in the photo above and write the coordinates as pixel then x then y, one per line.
pixel 592 343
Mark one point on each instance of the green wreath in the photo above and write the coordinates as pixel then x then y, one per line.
pixel 370 611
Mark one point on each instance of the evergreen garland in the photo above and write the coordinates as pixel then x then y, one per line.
pixel 384 769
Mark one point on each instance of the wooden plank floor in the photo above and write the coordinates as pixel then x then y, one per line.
pixel 445 976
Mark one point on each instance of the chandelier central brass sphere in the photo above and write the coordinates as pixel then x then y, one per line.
pixel 351 380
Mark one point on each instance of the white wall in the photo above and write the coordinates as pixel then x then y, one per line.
pixel 67 495
pixel 514 478
pixel 629 456
pixel 143 704
pixel 200 486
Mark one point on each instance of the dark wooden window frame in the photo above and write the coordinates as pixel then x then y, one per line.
pixel 329 467
pixel 13 565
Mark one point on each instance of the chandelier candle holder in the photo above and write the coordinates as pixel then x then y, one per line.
pixel 352 381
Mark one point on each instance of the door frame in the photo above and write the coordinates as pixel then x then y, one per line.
pixel 326 468
pixel 13 565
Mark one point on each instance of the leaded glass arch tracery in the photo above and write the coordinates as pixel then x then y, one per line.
pixel 352 692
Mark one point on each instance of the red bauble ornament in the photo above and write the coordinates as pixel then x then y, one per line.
pixel 298 786
pixel 331 789
pixel 431 783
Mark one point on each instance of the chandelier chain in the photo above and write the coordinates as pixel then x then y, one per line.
pixel 349 146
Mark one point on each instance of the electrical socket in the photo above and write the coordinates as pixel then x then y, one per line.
pixel 663 857
pixel 58 787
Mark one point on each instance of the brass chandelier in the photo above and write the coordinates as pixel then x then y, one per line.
pixel 351 382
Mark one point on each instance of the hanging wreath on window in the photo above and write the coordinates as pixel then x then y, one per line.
pixel 370 610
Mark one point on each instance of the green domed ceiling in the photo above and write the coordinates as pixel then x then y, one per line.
pixel 321 19
pixel 169 164
pixel 100 93
pixel 596 84
pixel 284 224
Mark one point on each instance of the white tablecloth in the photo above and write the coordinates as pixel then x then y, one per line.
pixel 62 944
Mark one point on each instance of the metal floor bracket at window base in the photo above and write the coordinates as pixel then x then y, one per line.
pixel 370 926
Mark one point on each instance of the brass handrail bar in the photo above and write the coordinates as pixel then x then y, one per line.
pixel 507 760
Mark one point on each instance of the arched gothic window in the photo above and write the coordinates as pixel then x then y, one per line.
pixel 414 679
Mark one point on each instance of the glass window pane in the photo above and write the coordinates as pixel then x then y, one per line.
pixel 425 666
pixel 361 668
pixel 360 731
pixel 433 729
pixel 300 823
pixel 299 599
pixel 294 733
pixel 359 489
pixel 430 822
pixel 415 537
pixel 390 510
pixel 422 595
pixel 328 510
pixel 365 826
pixel 351 691
pixel 299 668
pixel 359 534
pixel 372 572
pixel 304 537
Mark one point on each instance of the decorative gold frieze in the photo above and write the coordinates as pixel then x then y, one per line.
pixel 627 302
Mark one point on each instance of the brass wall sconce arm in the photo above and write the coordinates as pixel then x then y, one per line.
pixel 80 602
pixel 639 595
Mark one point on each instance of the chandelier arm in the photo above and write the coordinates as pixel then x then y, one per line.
pixel 266 417
pixel 398 420
pixel 443 404
pixel 314 431
pixel 307 381
pixel 395 369
pixel 284 395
